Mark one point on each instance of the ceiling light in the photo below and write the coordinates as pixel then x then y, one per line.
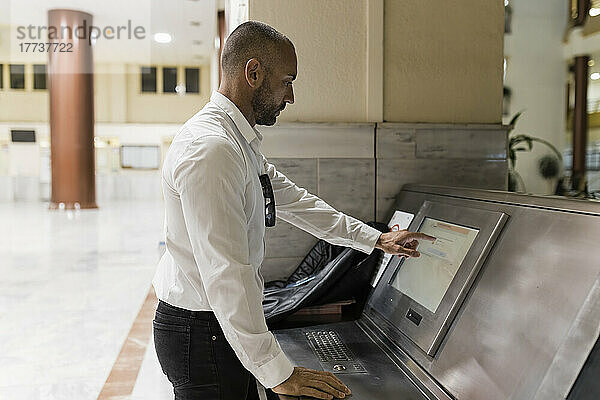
pixel 594 11
pixel 595 76
pixel 162 37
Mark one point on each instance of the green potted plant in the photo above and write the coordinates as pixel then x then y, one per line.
pixel 549 166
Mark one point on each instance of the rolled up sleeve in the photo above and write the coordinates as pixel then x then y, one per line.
pixel 313 215
pixel 210 178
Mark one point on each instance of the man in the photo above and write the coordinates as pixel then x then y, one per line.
pixel 209 331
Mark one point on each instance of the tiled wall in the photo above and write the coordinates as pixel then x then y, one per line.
pixel 451 155
pixel 333 161
pixel 359 169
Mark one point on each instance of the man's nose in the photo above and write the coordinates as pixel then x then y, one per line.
pixel 289 98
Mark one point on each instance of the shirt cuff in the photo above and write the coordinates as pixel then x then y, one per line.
pixel 366 239
pixel 275 371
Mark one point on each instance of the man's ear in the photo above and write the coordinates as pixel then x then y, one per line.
pixel 254 73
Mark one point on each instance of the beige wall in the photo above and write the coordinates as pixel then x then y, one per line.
pixel 110 93
pixel 164 108
pixel 25 104
pixel 330 38
pixel 442 61
pixel 117 97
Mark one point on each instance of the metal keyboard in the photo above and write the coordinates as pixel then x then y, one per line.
pixel 332 353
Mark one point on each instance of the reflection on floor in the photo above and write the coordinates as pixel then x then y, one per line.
pixel 71 286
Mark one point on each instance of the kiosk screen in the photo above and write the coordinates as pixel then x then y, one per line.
pixel 426 279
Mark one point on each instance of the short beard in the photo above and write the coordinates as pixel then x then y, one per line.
pixel 264 111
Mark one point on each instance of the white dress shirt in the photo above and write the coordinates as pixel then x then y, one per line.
pixel 215 227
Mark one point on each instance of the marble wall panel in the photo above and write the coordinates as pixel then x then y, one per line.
pixel 285 240
pixel 392 174
pixel 301 171
pixel 395 142
pixel 349 186
pixel 461 144
pixel 286 245
pixel 318 140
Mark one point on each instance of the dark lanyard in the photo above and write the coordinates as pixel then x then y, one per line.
pixel 267 190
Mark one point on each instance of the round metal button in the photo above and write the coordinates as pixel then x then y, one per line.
pixel 214 338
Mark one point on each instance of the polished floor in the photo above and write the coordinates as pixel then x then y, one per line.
pixel 71 287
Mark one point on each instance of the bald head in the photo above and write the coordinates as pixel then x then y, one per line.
pixel 258 65
pixel 252 39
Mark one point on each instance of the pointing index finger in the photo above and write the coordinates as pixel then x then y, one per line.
pixel 422 236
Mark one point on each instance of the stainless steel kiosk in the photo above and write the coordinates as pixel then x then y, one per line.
pixel 505 304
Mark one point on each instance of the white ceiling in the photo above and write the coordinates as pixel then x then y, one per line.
pixel 191 23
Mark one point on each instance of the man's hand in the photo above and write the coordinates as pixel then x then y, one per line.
pixel 309 382
pixel 402 243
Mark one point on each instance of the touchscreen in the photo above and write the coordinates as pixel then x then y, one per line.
pixel 426 279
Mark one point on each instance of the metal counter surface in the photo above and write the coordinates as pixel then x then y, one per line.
pixel 527 325
pixel 383 378
pixel 533 313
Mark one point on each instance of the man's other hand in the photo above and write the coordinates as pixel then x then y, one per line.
pixel 402 243
pixel 309 382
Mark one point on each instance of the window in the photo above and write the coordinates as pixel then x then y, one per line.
pixel 148 79
pixel 169 80
pixel 1 76
pixel 18 136
pixel 39 76
pixel 192 80
pixel 17 76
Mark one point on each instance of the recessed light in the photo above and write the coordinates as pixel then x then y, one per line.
pixel 594 11
pixel 162 37
pixel 595 76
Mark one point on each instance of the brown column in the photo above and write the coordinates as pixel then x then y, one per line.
pixel 580 122
pixel 221 26
pixel 71 87
pixel 579 11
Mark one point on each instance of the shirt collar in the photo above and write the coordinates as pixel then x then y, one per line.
pixel 236 115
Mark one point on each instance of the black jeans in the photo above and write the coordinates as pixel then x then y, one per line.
pixel 196 357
